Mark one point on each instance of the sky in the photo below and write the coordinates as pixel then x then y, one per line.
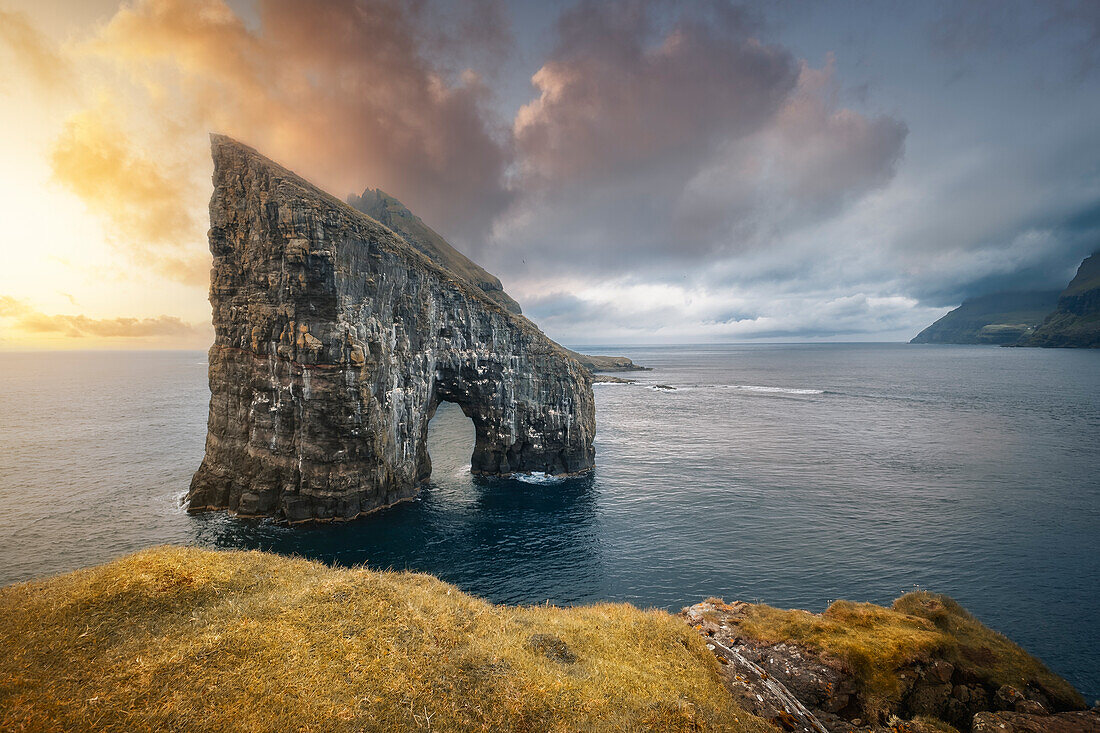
pixel 633 171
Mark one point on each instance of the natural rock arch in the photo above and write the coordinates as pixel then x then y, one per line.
pixel 335 341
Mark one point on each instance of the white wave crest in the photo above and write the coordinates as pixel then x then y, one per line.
pixel 774 390
pixel 536 477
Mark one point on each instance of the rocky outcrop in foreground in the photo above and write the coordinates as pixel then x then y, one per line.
pixel 335 341
pixel 183 639
pixel 1075 323
pixel 924 665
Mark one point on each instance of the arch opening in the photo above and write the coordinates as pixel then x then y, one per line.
pixel 450 438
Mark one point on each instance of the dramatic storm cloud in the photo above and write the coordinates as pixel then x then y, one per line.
pixel 632 170
pixel 659 147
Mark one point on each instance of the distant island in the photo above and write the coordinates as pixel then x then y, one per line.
pixel 1048 318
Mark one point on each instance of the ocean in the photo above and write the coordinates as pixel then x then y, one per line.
pixel 788 474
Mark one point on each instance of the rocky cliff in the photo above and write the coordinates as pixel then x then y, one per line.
pixel 1075 323
pixel 922 665
pixel 387 210
pixel 999 318
pixel 335 341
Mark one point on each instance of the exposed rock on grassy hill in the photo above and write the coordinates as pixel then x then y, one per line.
pixel 179 638
pixel 1075 323
pixel 923 664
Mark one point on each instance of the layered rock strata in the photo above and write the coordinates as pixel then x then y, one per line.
pixel 801 688
pixel 387 210
pixel 335 341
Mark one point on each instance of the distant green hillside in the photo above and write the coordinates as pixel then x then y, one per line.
pixel 999 318
pixel 1075 323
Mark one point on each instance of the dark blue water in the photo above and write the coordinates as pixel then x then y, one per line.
pixel 792 474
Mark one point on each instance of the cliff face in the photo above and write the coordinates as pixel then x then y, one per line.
pixel 1075 323
pixel 335 341
pixel 387 210
pixel 922 664
pixel 999 318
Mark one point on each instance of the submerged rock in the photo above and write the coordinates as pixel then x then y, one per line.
pixel 335 341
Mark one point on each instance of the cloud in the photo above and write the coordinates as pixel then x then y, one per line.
pixel 140 197
pixel 349 94
pixel 628 313
pixel 813 158
pixel 617 97
pixel 34 52
pixel 26 319
pixel 657 143
pixel 971 33
pixel 13 307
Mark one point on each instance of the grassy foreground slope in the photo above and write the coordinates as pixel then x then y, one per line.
pixel 186 639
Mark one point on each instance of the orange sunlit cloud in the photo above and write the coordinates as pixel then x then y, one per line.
pixel 18 316
pixel 33 52
pixel 140 198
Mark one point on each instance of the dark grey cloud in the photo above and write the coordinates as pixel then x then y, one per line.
pixel 662 136
pixel 986 31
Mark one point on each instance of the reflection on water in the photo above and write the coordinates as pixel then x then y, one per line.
pixel 502 538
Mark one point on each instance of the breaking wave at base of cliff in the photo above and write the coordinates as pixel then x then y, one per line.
pixel 537 477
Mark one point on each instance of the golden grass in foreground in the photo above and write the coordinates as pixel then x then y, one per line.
pixel 195 640
pixel 873 642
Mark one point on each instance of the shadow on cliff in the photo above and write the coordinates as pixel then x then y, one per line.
pixel 504 539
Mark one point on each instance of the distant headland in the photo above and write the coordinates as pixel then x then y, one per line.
pixel 1066 319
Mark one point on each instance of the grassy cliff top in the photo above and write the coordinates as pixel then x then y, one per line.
pixel 187 639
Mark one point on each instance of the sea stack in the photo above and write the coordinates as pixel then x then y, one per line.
pixel 335 341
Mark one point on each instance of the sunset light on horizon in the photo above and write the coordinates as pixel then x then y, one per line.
pixel 824 187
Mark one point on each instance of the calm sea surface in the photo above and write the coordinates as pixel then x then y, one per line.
pixel 791 474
